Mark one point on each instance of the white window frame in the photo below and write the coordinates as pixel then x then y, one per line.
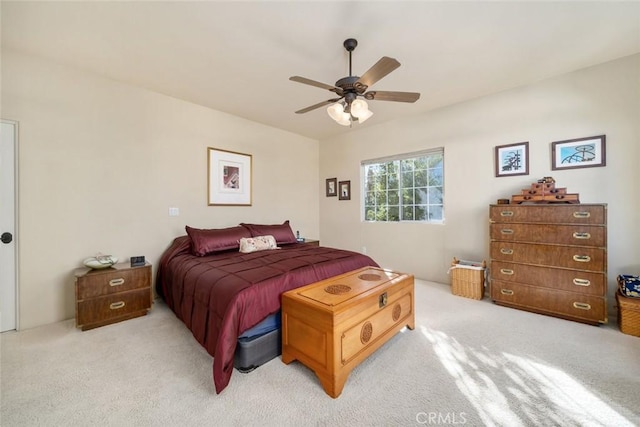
pixel 400 157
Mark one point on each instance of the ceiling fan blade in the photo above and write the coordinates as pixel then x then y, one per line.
pixel 379 95
pixel 318 105
pixel 380 69
pixel 307 81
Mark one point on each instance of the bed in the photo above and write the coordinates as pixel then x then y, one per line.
pixel 220 292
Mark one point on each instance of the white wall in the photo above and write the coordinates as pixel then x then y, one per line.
pixel 101 162
pixel 601 100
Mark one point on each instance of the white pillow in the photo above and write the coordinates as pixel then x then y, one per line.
pixel 258 243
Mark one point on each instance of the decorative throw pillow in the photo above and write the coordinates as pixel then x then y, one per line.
pixel 281 232
pixel 258 243
pixel 205 241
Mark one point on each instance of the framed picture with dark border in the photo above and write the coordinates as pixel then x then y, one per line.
pixel 512 159
pixel 577 153
pixel 345 190
pixel 332 187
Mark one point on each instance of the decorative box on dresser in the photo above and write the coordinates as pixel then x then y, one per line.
pixel 550 259
pixel 112 295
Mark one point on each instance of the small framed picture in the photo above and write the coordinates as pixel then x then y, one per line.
pixel 345 190
pixel 332 187
pixel 579 153
pixel 512 159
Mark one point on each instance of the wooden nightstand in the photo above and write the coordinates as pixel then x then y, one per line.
pixel 311 242
pixel 112 295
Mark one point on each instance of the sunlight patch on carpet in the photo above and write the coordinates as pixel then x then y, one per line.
pixel 507 389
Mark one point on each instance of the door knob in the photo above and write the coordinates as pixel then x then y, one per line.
pixel 6 237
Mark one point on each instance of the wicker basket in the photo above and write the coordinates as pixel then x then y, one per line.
pixel 467 281
pixel 628 315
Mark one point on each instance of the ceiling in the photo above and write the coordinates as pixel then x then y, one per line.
pixel 237 56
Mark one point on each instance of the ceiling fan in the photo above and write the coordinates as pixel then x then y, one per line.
pixel 348 107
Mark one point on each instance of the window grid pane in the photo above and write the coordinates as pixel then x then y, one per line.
pixel 408 189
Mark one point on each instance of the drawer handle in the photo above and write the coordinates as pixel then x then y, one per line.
pixel 506 213
pixel 506 251
pixel 506 231
pixel 582 258
pixel 116 282
pixel 582 214
pixel 506 291
pixel 582 305
pixel 506 271
pixel 559 196
pixel 581 282
pixel 578 235
pixel 116 305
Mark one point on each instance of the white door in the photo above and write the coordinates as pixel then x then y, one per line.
pixel 8 301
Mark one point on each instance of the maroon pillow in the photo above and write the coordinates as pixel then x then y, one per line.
pixel 281 232
pixel 214 240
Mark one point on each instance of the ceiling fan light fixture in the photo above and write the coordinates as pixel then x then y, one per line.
pixel 359 108
pixel 345 120
pixel 336 111
pixel 364 115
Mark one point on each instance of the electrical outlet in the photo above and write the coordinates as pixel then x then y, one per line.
pixel 174 211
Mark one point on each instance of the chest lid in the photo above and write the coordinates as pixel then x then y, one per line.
pixel 337 290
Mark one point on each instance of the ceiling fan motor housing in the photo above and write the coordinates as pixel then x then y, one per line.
pixel 348 84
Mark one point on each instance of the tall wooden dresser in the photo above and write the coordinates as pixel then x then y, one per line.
pixel 550 259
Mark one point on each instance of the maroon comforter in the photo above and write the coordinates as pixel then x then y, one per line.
pixel 221 295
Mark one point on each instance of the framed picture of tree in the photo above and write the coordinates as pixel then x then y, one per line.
pixel 512 159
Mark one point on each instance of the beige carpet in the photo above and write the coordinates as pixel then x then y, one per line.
pixel 467 363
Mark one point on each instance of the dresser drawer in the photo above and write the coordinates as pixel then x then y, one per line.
pixel 109 281
pixel 576 235
pixel 552 213
pixel 579 258
pixel 588 283
pixel 588 308
pixel 110 307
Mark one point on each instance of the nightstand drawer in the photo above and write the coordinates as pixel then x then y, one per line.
pixel 112 307
pixel 111 281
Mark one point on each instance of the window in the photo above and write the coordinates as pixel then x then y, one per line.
pixel 407 187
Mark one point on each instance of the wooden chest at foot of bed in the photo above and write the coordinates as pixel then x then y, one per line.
pixel 333 325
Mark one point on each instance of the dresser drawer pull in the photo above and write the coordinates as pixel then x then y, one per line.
pixel 582 214
pixel 506 231
pixel 578 235
pixel 116 282
pixel 582 258
pixel 506 251
pixel 582 305
pixel 506 271
pixel 506 213
pixel 506 291
pixel 581 282
pixel 116 305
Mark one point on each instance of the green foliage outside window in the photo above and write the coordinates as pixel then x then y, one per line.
pixel 405 189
